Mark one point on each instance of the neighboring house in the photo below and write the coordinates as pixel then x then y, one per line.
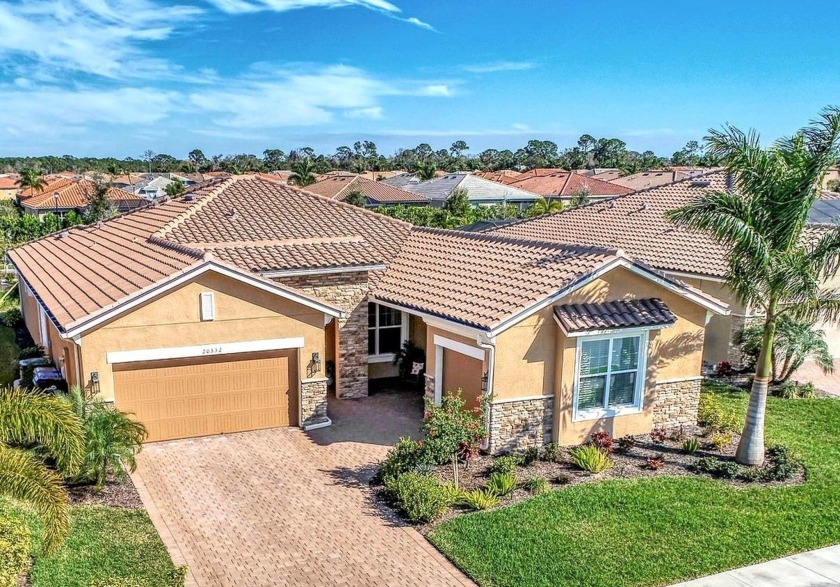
pixel 501 176
pixel 563 185
pixel 153 186
pixel 338 187
pixel 226 309
pixel 650 179
pixel 8 187
pixel 480 191
pixel 636 224
pixel 63 195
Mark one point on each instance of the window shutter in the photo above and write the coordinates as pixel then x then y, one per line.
pixel 208 306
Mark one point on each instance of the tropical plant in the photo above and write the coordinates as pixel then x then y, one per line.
pixel 536 485
pixel 31 179
pixel 602 440
pixel 761 222
pixel 34 427
pixel 581 197
pixel 712 414
pixel 501 483
pixel 356 198
pixel 795 342
pixel 303 172
pixel 505 464
pixel 552 453
pixel 653 463
pixel 426 170
pixel 720 440
pixel 458 202
pixel 543 206
pixel 99 205
pixel 690 446
pixel 112 439
pixel 479 499
pixel 795 391
pixel 625 443
pixel 591 458
pixel 175 188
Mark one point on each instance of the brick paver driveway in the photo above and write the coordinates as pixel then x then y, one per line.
pixel 283 507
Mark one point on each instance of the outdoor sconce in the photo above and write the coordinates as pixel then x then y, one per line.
pixel 316 362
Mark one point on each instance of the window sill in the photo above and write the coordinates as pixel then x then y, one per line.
pixel 388 358
pixel 608 413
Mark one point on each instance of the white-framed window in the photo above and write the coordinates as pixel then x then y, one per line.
pixel 610 375
pixel 387 330
pixel 208 306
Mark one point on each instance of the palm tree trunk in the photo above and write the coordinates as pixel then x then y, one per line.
pixel 751 447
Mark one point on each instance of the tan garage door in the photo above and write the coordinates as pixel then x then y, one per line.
pixel 181 398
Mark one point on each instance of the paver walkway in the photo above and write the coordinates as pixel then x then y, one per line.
pixel 827 383
pixel 818 568
pixel 283 507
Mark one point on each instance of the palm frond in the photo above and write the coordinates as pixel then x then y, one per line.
pixel 34 418
pixel 24 477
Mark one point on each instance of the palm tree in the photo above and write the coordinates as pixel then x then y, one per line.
pixel 581 197
pixel 426 170
pixel 762 221
pixel 303 172
pixel 33 426
pixel 543 206
pixel 31 179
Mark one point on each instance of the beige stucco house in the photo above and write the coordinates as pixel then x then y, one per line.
pixel 220 311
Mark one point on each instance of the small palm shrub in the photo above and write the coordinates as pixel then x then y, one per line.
pixel 451 493
pixel 501 484
pixel 479 499
pixel 15 543
pixel 536 485
pixel 590 458
pixel 552 453
pixel 421 497
pixel 505 464
pixel 690 446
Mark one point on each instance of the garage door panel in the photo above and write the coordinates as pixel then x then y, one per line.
pixel 197 397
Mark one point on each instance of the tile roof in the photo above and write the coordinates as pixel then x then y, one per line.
pixel 636 223
pixel 74 193
pixel 551 182
pixel 8 183
pixel 479 279
pixel 478 189
pixel 649 179
pixel 338 187
pixel 616 314
pixel 253 224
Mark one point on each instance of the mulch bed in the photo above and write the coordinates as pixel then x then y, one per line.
pixel 114 494
pixel 626 465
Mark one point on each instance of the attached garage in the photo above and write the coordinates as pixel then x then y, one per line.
pixel 182 398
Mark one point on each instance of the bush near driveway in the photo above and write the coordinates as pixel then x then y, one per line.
pixel 660 530
pixel 15 545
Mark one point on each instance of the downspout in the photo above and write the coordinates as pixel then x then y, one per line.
pixel 491 368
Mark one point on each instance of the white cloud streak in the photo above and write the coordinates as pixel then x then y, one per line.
pixel 499 66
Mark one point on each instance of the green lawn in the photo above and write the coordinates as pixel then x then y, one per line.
pixel 9 352
pixel 659 531
pixel 105 543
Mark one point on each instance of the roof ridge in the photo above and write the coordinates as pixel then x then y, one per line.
pixel 199 205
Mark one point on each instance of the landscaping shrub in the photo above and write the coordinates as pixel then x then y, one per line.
pixel 15 544
pixel 505 464
pixel 552 453
pixel 653 463
pixel 479 499
pixel 591 458
pixel 720 440
pixel 716 467
pixel 451 493
pixel 405 456
pixel 421 497
pixel 794 391
pixel 119 582
pixel 690 446
pixel 564 479
pixel 602 440
pixel 501 483
pixel 529 456
pixel 658 435
pixel 724 369
pixel 11 318
pixel 450 431
pixel 536 485
pixel 710 413
pixel 626 443
pixel 780 464
pixel 31 352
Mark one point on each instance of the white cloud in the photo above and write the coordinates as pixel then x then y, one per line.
pixel 497 66
pixel 441 90
pixel 90 36
pixel 374 113
pixel 382 6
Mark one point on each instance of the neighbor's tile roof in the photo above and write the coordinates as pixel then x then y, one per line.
pixel 478 279
pixel 338 187
pixel 478 189
pixel 616 314
pixel 551 182
pixel 636 223
pixel 74 193
pixel 253 224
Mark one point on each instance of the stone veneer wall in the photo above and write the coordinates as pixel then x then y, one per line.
pixel 313 402
pixel 676 403
pixel 349 292
pixel 521 423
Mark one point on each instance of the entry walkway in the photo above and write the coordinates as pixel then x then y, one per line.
pixel 818 568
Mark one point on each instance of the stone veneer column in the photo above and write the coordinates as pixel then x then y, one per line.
pixel 516 424
pixel 676 403
pixel 349 292
pixel 313 402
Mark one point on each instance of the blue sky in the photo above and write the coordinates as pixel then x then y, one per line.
pixel 99 77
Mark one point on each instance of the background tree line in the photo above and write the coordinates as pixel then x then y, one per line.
pixel 589 152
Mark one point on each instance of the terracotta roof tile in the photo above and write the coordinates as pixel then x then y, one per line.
pixel 74 193
pixel 338 187
pixel 616 314
pixel 636 223
pixel 551 182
